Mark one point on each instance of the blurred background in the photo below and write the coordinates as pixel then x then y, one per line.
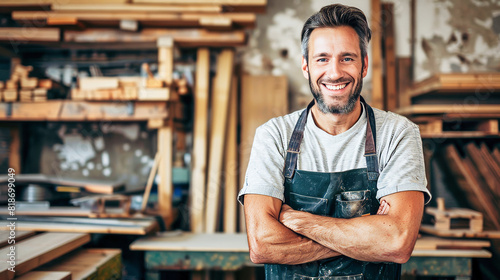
pixel 126 128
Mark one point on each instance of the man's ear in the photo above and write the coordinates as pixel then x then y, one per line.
pixel 365 69
pixel 305 69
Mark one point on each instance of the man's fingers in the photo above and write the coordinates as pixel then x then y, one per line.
pixel 384 208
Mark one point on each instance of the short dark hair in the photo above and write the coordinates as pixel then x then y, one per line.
pixel 333 16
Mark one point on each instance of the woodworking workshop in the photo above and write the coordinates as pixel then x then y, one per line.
pixel 249 139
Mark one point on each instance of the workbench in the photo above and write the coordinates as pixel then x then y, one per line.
pixel 229 252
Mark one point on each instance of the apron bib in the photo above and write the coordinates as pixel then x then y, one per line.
pixel 346 194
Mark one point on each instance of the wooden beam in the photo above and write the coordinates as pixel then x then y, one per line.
pixel 165 186
pixel 5 235
pixel 391 96
pixel 377 100
pixel 39 250
pixel 404 81
pixel 200 140
pixel 166 59
pixel 15 149
pixel 218 132
pixel 149 184
pixel 231 163
pixel 182 37
pixel 462 109
pixel 483 168
pixel 201 2
pixel 133 8
pixel 29 34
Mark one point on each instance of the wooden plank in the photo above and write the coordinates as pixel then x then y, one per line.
pixel 31 34
pixel 220 106
pixel 116 111
pixel 391 96
pixel 149 184
pixel 200 140
pixel 165 186
pixel 452 253
pixel 166 59
pixel 132 8
pixel 435 243
pixel 200 2
pixel 18 235
pixel 475 191
pixel 493 165
pixel 462 109
pixel 496 155
pixel 458 82
pixel 182 19
pixel 488 234
pixel 89 185
pixel 57 211
pixel 193 242
pixel 231 163
pixel 188 37
pixel 256 107
pixel 39 250
pixel 93 83
pixel 377 99
pixel 404 68
pixel 89 264
pixel 142 228
pixel 46 275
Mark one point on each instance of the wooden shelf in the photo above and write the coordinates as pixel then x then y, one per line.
pixel 67 110
pixel 462 109
pixel 457 83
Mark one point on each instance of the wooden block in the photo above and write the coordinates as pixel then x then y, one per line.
pixel 41 249
pixel 200 140
pixel 10 95
pixel 10 84
pixel 77 94
pixel 434 126
pixel 62 20
pixel 25 95
pixel 40 92
pixel 45 83
pixel 489 126
pixel 46 275
pixel 93 83
pixel 218 23
pixel 2 84
pixel 218 132
pixel 154 83
pixel 130 93
pixel 156 94
pixel 129 25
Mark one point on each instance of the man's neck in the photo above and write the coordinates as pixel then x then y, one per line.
pixel 335 124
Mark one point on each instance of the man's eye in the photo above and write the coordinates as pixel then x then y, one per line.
pixel 322 60
pixel 348 59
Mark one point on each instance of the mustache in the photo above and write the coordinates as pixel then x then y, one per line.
pixel 338 81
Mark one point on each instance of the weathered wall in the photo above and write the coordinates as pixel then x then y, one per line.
pixel 456 36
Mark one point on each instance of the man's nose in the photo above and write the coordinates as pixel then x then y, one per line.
pixel 335 71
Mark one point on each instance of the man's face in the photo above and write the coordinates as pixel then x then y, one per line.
pixel 335 70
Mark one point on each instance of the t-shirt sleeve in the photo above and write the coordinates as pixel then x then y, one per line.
pixel 264 174
pixel 403 168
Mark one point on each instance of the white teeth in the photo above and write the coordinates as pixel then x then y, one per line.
pixel 330 87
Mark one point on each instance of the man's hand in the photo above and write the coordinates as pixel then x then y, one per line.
pixel 383 209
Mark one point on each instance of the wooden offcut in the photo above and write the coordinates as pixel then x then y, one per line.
pixel 217 137
pixel 41 249
pixel 200 140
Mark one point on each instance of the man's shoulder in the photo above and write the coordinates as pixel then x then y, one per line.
pixel 387 120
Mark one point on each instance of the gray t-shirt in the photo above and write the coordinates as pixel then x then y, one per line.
pixel 399 149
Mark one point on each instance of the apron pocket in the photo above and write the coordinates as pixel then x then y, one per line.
pixel 352 204
pixel 347 277
pixel 314 205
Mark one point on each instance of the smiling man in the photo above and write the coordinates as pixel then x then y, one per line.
pixel 336 190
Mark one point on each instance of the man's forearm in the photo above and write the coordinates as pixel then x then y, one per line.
pixel 372 238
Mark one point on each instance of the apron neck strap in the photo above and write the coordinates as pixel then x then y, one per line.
pixel 293 149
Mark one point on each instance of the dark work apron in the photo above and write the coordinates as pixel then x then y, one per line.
pixel 346 194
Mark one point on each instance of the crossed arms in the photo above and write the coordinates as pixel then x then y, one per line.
pixel 279 234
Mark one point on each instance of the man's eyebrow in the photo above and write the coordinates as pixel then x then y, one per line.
pixel 323 54
pixel 344 54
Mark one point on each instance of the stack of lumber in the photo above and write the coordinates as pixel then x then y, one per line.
pixel 198 23
pixel 21 86
pixel 456 105
pixel 476 172
pixel 428 246
pixel 34 250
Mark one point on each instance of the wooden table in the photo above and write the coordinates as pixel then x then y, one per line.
pixel 229 252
